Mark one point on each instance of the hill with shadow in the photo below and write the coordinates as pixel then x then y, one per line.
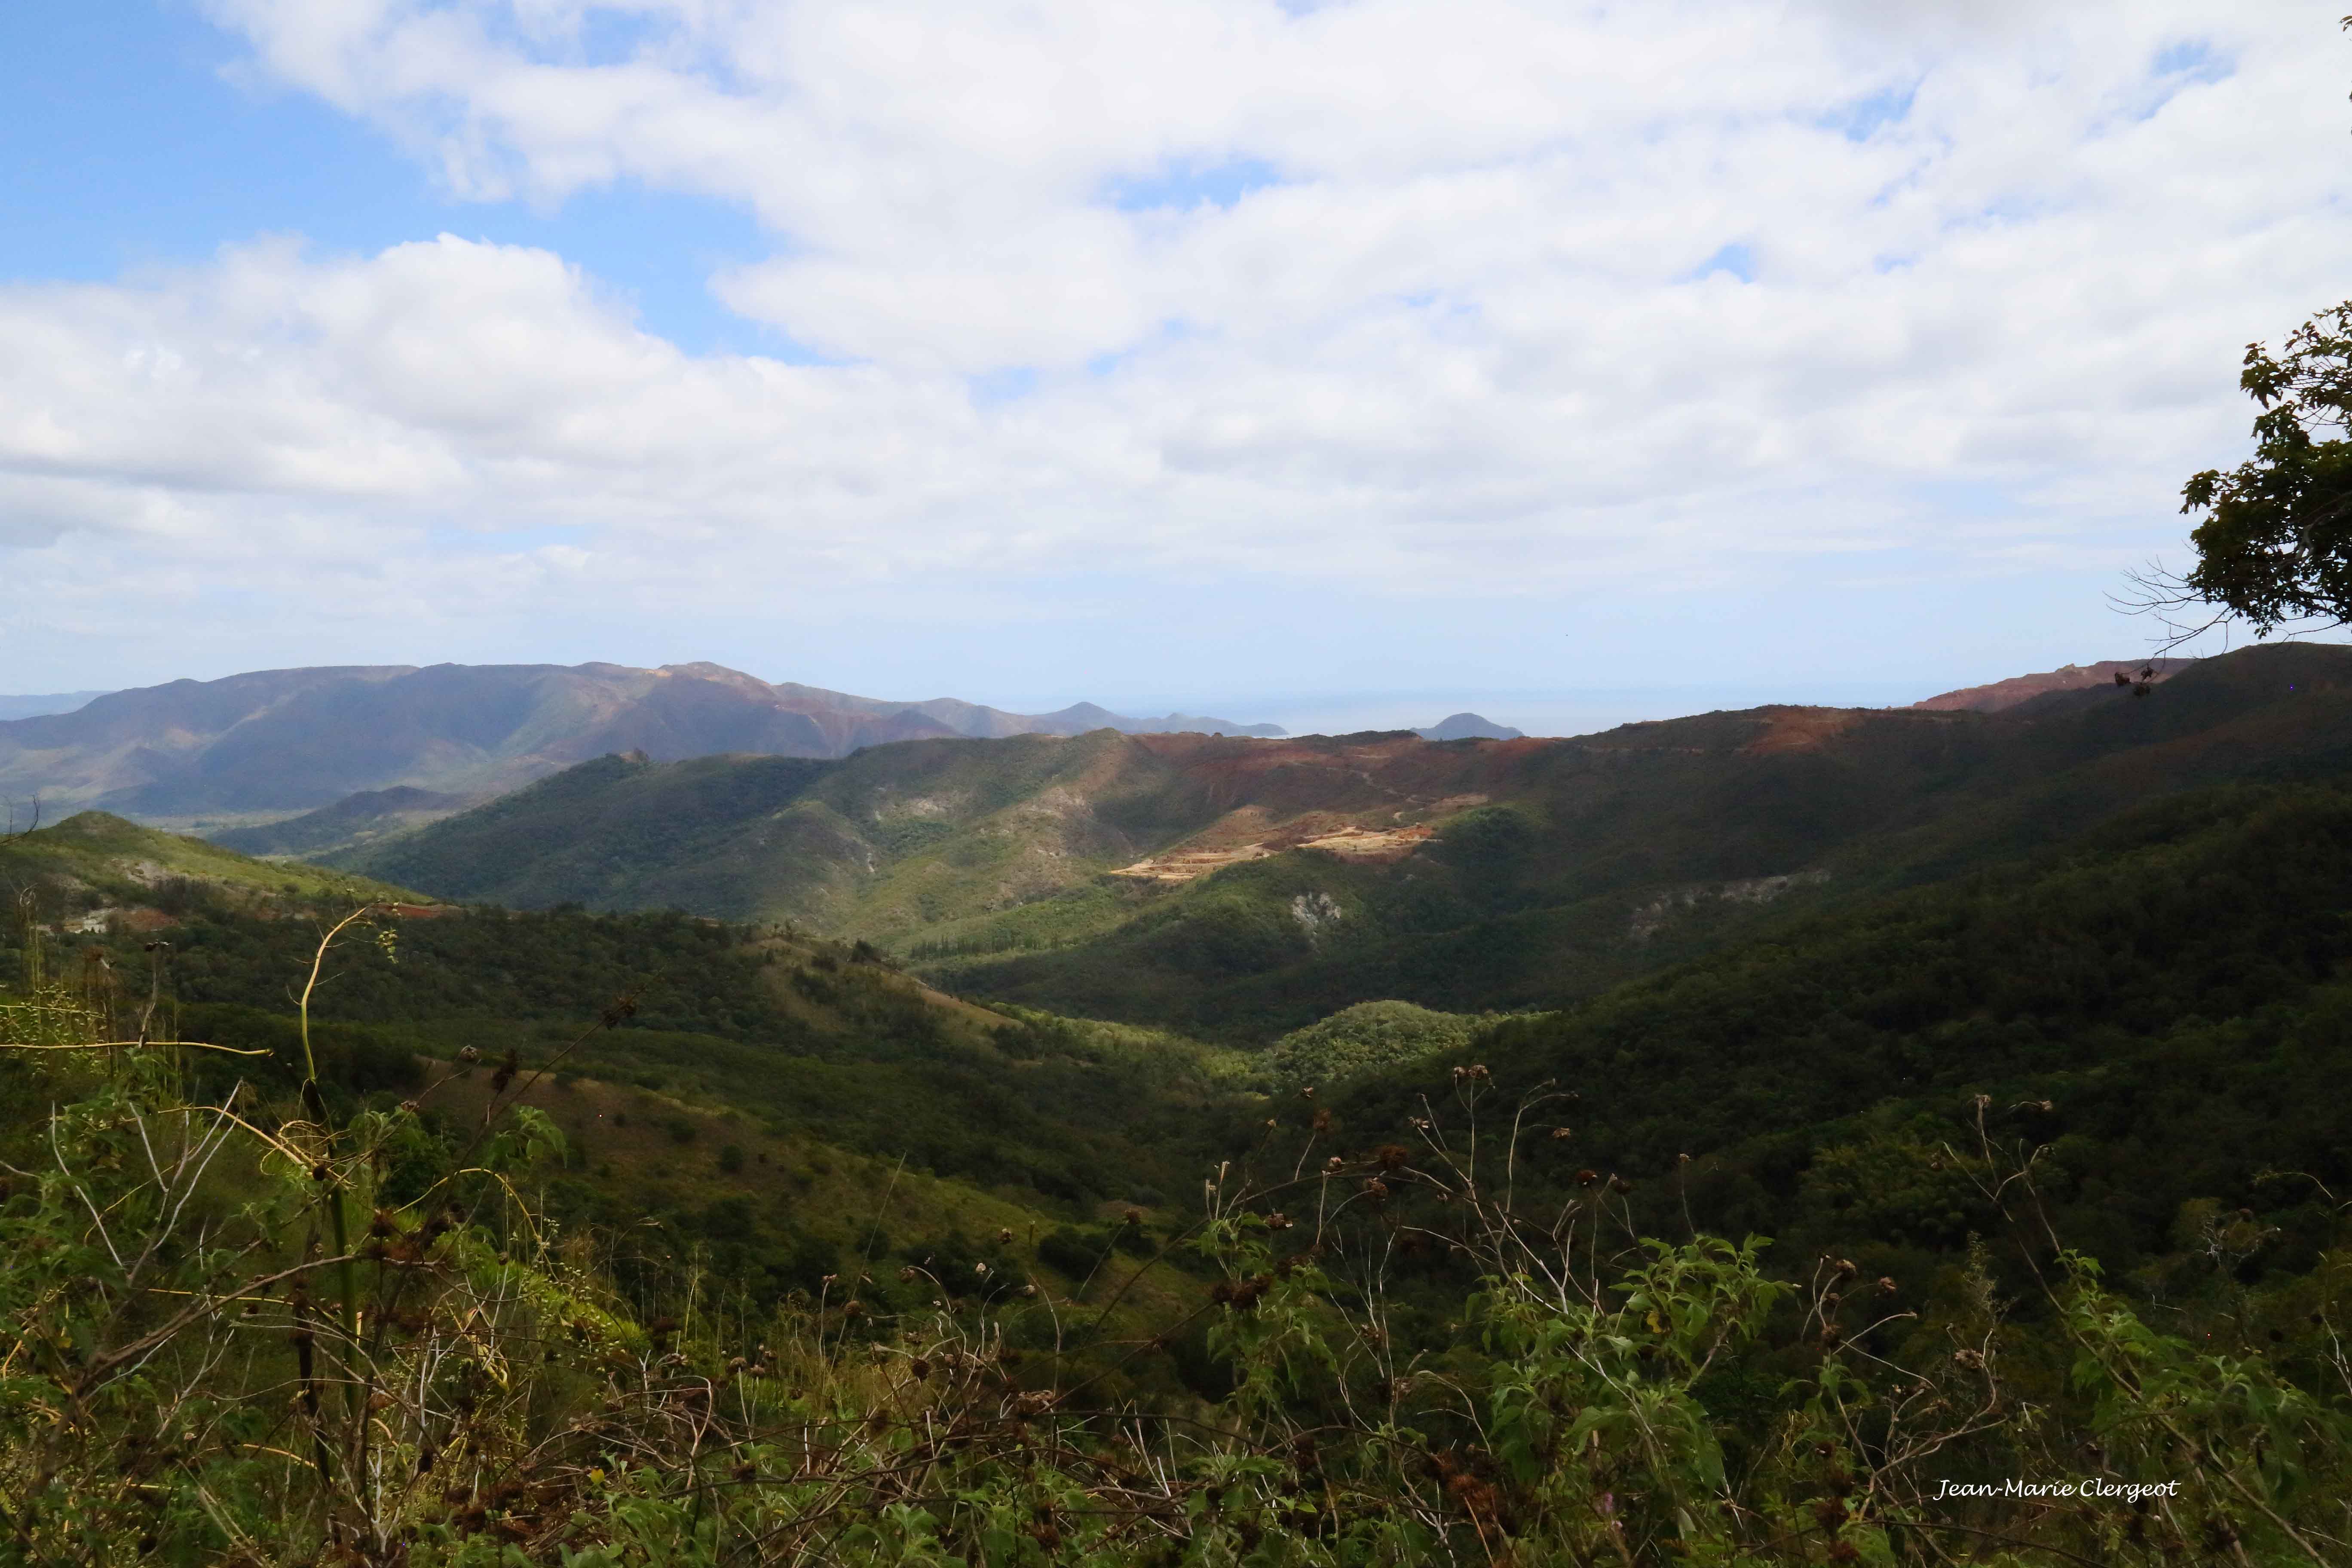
pixel 1248 887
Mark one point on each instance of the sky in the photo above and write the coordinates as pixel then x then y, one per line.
pixel 1331 364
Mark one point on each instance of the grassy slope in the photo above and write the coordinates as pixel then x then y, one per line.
pixel 796 1039
pixel 891 839
pixel 797 1036
pixel 997 844
pixel 97 856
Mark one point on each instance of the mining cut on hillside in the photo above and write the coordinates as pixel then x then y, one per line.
pixel 1375 844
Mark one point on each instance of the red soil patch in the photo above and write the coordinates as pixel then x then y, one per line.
pixel 1799 729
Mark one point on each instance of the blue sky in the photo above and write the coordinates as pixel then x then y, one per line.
pixel 138 138
pixel 1362 363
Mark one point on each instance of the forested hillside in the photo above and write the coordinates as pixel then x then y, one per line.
pixel 1241 888
pixel 2161 1004
pixel 700 1243
pixel 1625 853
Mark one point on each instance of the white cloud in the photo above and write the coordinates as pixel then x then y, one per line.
pixel 1414 300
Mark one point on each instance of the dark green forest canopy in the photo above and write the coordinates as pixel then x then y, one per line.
pixel 2174 985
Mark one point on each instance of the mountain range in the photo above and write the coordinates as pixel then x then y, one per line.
pixel 1221 883
pixel 277 741
pixel 389 747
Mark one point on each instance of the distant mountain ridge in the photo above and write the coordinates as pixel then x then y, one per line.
pixel 274 742
pixel 22 707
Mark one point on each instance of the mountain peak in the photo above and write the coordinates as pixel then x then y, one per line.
pixel 1469 727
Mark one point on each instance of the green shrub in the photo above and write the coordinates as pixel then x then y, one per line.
pixel 1365 1039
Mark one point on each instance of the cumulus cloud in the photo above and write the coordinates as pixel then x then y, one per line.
pixel 1430 298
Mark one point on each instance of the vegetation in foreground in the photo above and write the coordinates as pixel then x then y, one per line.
pixel 262 1320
